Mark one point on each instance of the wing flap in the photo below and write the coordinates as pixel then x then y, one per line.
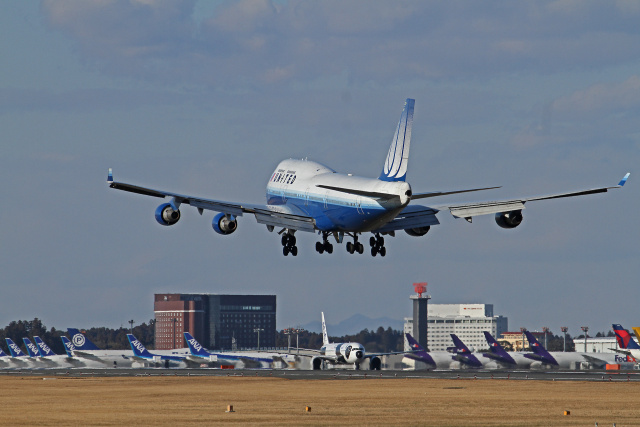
pixel 278 219
pixel 476 209
pixel 413 216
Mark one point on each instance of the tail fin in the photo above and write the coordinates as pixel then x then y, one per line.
pixel 625 340
pixel 68 346
pixel 3 354
pixel 44 349
pixel 494 346
pixel 636 330
pixel 395 166
pixel 14 349
pixel 325 337
pixel 194 346
pixel 138 348
pixel 32 349
pixel 415 345
pixel 80 341
pixel 460 346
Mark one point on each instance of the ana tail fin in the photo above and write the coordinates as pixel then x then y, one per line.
pixel 395 166
pixel 325 337
pixel 138 348
pixel 194 346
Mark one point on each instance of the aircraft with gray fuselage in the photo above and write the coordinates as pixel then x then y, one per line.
pixel 308 196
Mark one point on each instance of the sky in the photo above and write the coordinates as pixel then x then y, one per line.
pixel 206 97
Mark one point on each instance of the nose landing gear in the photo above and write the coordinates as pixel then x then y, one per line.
pixel 324 246
pixel 377 245
pixel 289 244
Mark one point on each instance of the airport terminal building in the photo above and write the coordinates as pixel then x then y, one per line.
pixel 467 321
pixel 218 322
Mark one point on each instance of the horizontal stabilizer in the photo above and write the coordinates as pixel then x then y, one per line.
pixel 445 193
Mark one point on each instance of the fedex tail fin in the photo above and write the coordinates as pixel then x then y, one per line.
pixel 138 348
pixel 395 166
pixel 494 346
pixel 460 346
pixel 32 349
pixel 44 349
pixel 80 341
pixel 194 346
pixel 325 337
pixel 14 349
pixel 415 345
pixel 68 346
pixel 625 340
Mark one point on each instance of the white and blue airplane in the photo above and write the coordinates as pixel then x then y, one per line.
pixel 307 196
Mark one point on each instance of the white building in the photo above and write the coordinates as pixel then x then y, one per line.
pixel 596 345
pixel 467 321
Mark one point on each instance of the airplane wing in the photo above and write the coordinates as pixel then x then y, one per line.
pixel 413 216
pixel 595 361
pixel 469 210
pixel 625 352
pixel 276 216
pixel 371 355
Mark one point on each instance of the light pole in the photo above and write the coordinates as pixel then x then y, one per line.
pixel 258 330
pixel 288 333
pixel 564 330
pixel 522 330
pixel 545 329
pixel 298 332
pixel 131 326
pixel 585 329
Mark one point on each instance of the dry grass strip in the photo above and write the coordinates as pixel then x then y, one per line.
pixel 273 401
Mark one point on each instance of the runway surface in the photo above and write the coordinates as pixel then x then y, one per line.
pixel 592 375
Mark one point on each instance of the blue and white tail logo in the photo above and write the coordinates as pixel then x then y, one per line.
pixel 194 346
pixel 68 346
pixel 45 351
pixel 138 348
pixel 31 347
pixel 14 349
pixel 395 167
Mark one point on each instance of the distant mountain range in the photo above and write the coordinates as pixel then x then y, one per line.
pixel 354 324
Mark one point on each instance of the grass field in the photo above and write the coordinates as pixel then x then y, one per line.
pixel 272 401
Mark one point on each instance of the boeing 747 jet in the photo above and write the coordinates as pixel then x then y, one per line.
pixel 308 196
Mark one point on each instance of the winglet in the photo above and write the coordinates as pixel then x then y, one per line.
pixel 624 180
pixel 110 176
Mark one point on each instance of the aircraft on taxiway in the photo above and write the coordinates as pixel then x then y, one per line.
pixel 308 196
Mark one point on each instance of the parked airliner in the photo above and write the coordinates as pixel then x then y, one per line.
pixel 308 196
pixel 346 353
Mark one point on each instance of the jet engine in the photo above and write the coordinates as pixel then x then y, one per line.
pixel 222 224
pixel 510 219
pixel 375 364
pixel 165 215
pixel 417 232
pixel 316 363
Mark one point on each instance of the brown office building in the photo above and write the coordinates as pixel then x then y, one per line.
pixel 218 322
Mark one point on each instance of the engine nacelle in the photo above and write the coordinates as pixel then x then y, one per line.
pixel 510 219
pixel 316 363
pixel 223 224
pixel 165 215
pixel 375 364
pixel 417 232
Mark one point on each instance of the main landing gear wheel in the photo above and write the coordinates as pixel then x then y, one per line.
pixel 355 246
pixel 324 246
pixel 289 245
pixel 377 245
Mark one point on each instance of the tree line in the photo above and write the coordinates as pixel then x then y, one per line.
pixel 104 338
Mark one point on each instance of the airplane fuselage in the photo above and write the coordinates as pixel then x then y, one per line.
pixel 349 352
pixel 301 185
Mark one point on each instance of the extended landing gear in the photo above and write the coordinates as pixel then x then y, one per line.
pixel 355 246
pixel 324 246
pixel 289 245
pixel 377 245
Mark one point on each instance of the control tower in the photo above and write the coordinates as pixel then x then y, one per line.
pixel 420 312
